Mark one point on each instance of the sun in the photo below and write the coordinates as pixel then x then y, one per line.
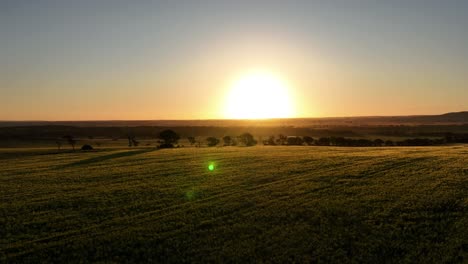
pixel 259 95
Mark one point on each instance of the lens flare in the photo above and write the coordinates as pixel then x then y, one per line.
pixel 211 167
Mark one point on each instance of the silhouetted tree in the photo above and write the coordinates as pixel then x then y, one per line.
pixel 282 139
pixel 59 144
pixel 456 138
pixel 247 139
pixel 212 141
pixel 295 141
pixel 308 140
pixel 323 141
pixel 191 140
pixel 169 138
pixel 363 143
pixel 417 142
pixel 132 141
pixel 234 141
pixel 86 147
pixel 70 141
pixel 270 141
pixel 227 140
pixel 389 143
pixel 378 142
pixel 341 141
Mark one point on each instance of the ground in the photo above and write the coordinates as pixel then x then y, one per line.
pixel 270 204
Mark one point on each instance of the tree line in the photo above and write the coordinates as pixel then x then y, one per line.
pixel 170 139
pixel 248 139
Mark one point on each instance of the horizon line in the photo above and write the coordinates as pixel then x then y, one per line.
pixel 230 119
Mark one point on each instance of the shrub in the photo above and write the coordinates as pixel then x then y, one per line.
pixel 191 140
pixel 169 137
pixel 212 141
pixel 247 139
pixel 227 141
pixel 323 141
pixel 270 141
pixel 87 147
pixel 308 140
pixel 164 145
pixel 378 142
pixel 295 141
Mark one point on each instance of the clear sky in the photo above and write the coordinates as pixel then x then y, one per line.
pixel 94 60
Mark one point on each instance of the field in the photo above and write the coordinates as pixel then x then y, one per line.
pixel 270 204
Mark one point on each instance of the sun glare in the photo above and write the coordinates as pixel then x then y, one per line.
pixel 259 95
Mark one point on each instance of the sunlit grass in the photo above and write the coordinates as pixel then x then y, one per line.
pixel 244 204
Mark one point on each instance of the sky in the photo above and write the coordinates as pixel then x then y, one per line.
pixel 116 60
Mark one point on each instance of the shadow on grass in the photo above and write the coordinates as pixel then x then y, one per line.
pixel 108 157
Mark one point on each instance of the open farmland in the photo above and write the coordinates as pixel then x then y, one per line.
pixel 273 204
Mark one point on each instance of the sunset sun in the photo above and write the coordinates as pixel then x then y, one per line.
pixel 259 95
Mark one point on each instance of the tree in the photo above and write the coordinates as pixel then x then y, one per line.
pixel 59 144
pixel 70 141
pixel 270 141
pixel 247 139
pixel 296 141
pixel 212 141
pixel 169 138
pixel 323 141
pixel 227 140
pixel 341 141
pixel 191 140
pixel 282 139
pixel 234 141
pixel 130 140
pixel 86 147
pixel 135 142
pixel 378 142
pixel 308 140
pixel 389 143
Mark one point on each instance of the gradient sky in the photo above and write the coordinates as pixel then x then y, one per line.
pixel 94 60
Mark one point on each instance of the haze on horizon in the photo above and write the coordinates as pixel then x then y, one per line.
pixel 109 60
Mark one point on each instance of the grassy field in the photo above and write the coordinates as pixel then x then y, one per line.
pixel 271 204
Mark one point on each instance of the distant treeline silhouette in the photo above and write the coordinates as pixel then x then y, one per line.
pixel 350 142
pixel 169 139
pixel 283 140
pixel 247 139
pixel 148 132
pixel 215 136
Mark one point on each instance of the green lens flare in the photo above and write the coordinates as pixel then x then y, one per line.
pixel 211 167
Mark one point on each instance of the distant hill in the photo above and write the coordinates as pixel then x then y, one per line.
pixel 457 118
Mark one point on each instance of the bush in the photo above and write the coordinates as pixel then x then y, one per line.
pixel 191 140
pixel 323 141
pixel 212 141
pixel 295 141
pixel 87 147
pixel 227 141
pixel 270 141
pixel 164 145
pixel 308 140
pixel 378 142
pixel 169 137
pixel 247 139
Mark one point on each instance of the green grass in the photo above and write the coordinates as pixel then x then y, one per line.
pixel 271 204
